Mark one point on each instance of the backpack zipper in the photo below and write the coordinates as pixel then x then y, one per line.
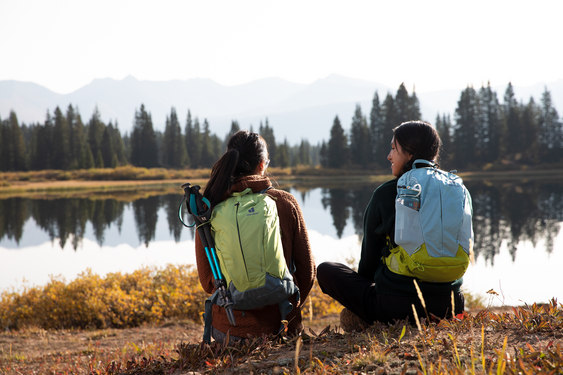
pixel 239 241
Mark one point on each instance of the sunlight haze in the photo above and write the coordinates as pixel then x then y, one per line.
pixel 64 45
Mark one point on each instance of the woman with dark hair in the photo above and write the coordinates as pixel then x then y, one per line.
pixel 243 166
pixel 374 292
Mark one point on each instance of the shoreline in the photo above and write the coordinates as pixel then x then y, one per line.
pixel 10 188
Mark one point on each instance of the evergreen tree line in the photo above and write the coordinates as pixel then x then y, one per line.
pixel 485 132
pixel 368 142
pixel 64 142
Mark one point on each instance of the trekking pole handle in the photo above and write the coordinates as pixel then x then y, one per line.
pixel 180 214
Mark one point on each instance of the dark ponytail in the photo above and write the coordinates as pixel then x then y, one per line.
pixel 420 139
pixel 245 151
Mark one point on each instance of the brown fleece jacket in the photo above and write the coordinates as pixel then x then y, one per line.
pixel 295 243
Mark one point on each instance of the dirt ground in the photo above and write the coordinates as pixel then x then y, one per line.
pixel 37 351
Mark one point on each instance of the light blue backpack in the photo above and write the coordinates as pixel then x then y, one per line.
pixel 433 225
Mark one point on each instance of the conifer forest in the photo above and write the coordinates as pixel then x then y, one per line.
pixel 484 132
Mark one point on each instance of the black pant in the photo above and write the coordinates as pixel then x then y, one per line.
pixel 358 295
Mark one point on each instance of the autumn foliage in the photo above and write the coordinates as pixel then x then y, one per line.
pixel 148 295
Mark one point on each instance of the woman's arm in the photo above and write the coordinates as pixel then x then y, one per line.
pixel 306 270
pixel 379 221
pixel 295 241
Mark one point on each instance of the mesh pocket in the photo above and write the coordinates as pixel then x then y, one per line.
pixel 408 231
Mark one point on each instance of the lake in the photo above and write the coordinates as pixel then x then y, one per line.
pixel 517 224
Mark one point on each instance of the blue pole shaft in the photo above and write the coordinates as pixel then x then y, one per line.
pixel 216 263
pixel 211 263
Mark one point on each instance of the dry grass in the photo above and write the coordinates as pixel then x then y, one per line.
pixel 149 295
pixel 526 339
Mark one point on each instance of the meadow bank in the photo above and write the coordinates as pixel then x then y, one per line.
pixel 129 178
pixel 148 322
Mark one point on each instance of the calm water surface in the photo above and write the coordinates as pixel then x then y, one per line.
pixel 518 241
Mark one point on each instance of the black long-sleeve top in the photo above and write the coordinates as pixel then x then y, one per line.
pixel 379 222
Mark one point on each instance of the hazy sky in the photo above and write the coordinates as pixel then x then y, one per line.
pixel 64 45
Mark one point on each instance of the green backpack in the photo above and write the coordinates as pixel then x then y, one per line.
pixel 246 231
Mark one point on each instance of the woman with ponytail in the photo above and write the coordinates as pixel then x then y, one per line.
pixel 374 292
pixel 243 166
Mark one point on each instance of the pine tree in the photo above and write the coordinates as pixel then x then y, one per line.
pixel 13 153
pixel 114 161
pixel 95 131
pixel 379 146
pixel 414 107
pixel 513 140
pixel 389 120
pixel 70 120
pixel 188 134
pixel 315 154
pixel 41 155
pixel 206 146
pixel 402 105
pixel 466 118
pixel 99 159
pixel 159 137
pixel 323 155
pixel 234 128
pixel 127 147
pixel 88 158
pixel 5 163
pixel 294 156
pixel 268 134
pixel 217 147
pixel 444 129
pixel 77 137
pixel 550 137
pixel 61 141
pixel 283 154
pixel 529 119
pixel 174 154
pixel 106 147
pixel 144 150
pixel 193 141
pixel 359 139
pixel 337 151
pixel 490 118
pixel 305 152
pixel 118 145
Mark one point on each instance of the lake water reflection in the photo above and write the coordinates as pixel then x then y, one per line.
pixel 518 241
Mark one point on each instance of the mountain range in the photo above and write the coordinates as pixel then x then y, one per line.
pixel 295 111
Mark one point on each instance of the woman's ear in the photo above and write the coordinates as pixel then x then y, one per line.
pixel 260 168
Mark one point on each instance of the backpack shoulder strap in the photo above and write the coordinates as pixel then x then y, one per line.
pixel 423 161
pixel 265 190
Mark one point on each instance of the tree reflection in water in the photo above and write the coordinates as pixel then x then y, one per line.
pixel 503 211
pixel 508 211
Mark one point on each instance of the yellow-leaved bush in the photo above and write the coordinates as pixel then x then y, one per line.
pixel 117 300
pixel 148 295
pixel 322 304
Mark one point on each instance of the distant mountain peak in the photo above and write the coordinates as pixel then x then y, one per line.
pixel 129 78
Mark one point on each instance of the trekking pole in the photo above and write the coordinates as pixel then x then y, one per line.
pixel 201 219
